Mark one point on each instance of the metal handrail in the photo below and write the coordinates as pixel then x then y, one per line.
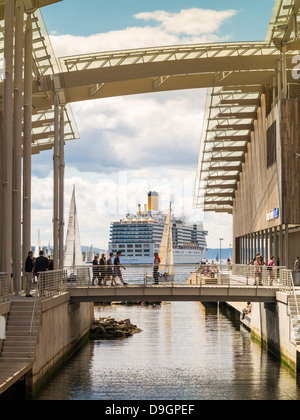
pixel 34 313
pixel 294 294
pixel 49 284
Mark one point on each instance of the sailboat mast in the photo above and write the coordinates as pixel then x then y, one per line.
pixel 73 254
pixel 170 250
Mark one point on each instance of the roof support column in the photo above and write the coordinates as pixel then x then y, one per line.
pixel 271 243
pixel 1 193
pixel 56 180
pixel 27 140
pixel 7 137
pixel 281 246
pixel 262 247
pixel 17 146
pixel 286 246
pixel 61 186
pixel 256 247
pixel 279 81
pixel 284 75
pixel 275 238
pixel 249 248
pixel 267 247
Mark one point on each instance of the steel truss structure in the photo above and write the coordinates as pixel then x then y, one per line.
pixel 44 63
pixel 232 111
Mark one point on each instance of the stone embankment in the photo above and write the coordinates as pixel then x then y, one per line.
pixel 112 329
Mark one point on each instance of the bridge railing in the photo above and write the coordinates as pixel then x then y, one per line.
pixel 286 281
pixel 4 287
pixel 188 274
pixel 51 283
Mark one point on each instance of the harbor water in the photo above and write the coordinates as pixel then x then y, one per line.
pixel 186 351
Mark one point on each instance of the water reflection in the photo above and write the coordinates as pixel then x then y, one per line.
pixel 186 351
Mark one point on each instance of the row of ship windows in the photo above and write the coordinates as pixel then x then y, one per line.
pixel 145 244
pixel 149 231
pixel 179 235
pixel 148 255
pixel 136 255
pixel 130 246
pixel 147 250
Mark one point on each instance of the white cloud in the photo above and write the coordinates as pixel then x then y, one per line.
pixel 129 38
pixel 141 131
pixel 153 139
pixel 190 21
pixel 186 27
pixel 109 197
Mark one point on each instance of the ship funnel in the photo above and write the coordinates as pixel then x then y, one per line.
pixel 153 201
pixel 140 210
pixel 145 210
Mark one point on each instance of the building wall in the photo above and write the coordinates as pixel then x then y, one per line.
pixel 294 251
pixel 259 189
pixel 270 324
pixel 62 330
pixel 290 162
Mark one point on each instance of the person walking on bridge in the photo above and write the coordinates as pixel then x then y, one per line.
pixel 29 266
pixel 117 271
pixel 95 271
pixel 156 267
pixel 110 272
pixel 102 269
pixel 41 263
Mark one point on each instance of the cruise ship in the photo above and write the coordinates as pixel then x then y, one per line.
pixel 139 236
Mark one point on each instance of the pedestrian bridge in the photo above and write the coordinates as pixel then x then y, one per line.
pixel 173 293
pixel 238 283
pixel 80 284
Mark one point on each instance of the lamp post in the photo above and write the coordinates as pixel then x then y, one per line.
pixel 221 239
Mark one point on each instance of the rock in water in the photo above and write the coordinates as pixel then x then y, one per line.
pixel 112 329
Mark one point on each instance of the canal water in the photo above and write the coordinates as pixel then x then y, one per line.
pixel 186 351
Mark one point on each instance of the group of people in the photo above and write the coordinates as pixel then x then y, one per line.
pixel 34 266
pixel 208 270
pixel 258 262
pixel 107 270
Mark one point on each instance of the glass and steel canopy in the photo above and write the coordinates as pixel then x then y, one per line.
pixel 44 63
pixel 231 113
pixel 235 75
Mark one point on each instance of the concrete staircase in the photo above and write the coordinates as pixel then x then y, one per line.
pixel 18 350
pixel 17 344
pixel 294 319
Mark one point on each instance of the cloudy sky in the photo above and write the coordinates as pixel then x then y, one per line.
pixel 132 144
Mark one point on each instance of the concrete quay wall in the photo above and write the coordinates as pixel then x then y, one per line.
pixel 64 328
pixel 270 325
